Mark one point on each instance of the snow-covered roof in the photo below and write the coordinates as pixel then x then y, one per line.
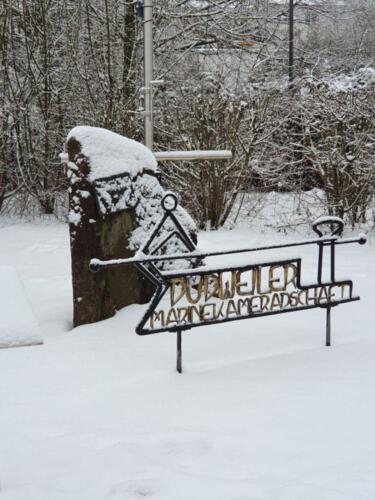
pixel 112 154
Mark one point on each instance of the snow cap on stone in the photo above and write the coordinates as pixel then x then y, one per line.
pixel 112 154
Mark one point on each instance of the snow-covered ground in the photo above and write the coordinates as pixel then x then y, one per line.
pixel 263 410
pixel 16 329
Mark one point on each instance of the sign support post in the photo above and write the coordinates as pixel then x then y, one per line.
pixel 328 326
pixel 179 352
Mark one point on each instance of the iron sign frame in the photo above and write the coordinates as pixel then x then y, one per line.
pixel 148 259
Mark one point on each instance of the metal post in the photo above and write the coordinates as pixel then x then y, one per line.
pixel 333 262
pixel 328 326
pixel 320 263
pixel 291 43
pixel 179 352
pixel 148 73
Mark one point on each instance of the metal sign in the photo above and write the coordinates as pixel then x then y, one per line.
pixel 201 295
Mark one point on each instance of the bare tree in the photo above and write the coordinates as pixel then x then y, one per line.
pixel 224 63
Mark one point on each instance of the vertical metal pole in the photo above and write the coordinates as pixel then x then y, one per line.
pixel 179 352
pixel 291 43
pixel 333 264
pixel 320 263
pixel 148 72
pixel 328 326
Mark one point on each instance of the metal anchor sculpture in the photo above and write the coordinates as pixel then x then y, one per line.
pixel 202 296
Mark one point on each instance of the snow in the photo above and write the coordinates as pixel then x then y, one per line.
pixel 357 80
pixel 193 155
pixel 116 194
pixel 74 217
pixel 262 411
pixel 18 326
pixel 328 219
pixel 112 154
